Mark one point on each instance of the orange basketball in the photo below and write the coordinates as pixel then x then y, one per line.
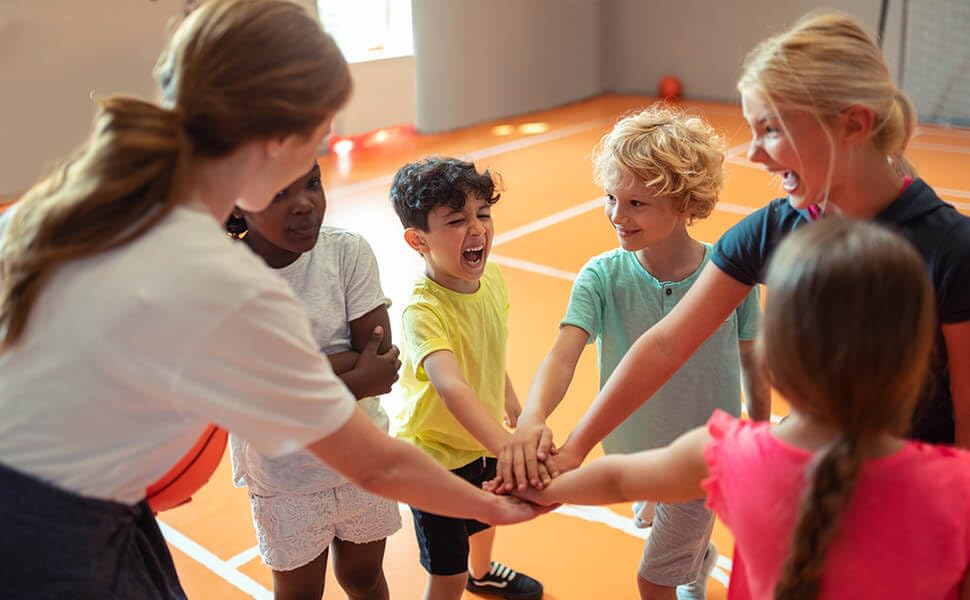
pixel 190 473
pixel 669 88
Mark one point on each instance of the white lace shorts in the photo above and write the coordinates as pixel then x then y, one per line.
pixel 293 529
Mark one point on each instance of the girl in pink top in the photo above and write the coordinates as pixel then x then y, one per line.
pixel 833 502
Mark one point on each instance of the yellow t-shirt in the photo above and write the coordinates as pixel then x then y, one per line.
pixel 472 327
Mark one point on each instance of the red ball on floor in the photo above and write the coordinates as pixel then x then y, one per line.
pixel 669 88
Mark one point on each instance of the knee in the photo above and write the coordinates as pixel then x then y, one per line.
pixel 360 580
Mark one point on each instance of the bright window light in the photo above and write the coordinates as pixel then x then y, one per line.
pixel 369 29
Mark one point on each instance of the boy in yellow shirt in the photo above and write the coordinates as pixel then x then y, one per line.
pixel 454 383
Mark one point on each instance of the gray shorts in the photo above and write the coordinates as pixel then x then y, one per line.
pixel 678 540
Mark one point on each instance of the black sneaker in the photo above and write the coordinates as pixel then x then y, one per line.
pixel 503 581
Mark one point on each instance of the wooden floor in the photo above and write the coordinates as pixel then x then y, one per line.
pixel 548 223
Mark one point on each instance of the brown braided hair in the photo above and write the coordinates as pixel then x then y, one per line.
pixel 847 337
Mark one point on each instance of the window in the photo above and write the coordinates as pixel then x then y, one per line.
pixel 369 29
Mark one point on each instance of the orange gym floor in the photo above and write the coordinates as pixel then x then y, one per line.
pixel 548 223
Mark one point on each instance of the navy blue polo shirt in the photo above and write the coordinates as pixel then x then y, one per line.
pixel 938 232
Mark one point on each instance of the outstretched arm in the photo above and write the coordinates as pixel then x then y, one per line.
pixel 654 358
pixel 671 474
pixel 512 407
pixel 394 469
pixel 957 337
pixel 757 390
pixel 518 463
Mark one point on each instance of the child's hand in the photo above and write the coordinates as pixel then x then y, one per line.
pixel 540 497
pixel 497 486
pixel 567 458
pixel 509 510
pixel 520 462
pixel 494 486
pixel 379 371
pixel 512 410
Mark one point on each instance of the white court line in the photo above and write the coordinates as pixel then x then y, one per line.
pixel 942 131
pixel 593 514
pixel 940 191
pixel 734 208
pixel 720 575
pixel 536 139
pixel 940 147
pixel 547 221
pixel 605 516
pixel 744 162
pixel 518 144
pixel 579 209
pixel 952 192
pixel 214 563
pixel 736 150
pixel 243 557
pixel 524 265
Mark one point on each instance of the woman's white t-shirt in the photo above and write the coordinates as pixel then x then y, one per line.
pixel 128 355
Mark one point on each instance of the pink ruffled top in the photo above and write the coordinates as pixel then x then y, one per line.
pixel 905 533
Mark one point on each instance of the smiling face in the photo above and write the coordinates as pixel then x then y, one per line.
pixel 793 145
pixel 290 225
pixel 640 217
pixel 457 243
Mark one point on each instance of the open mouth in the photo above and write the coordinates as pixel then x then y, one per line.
pixel 790 181
pixel 473 256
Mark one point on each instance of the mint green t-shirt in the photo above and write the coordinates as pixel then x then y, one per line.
pixel 615 300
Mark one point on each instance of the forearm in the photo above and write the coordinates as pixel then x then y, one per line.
pixel 594 484
pixel 757 394
pixel 671 474
pixel 957 338
pixel 547 391
pixel 961 415
pixel 414 478
pixel 357 382
pixel 341 362
pixel 466 407
pixel 757 390
pixel 630 385
pixel 394 469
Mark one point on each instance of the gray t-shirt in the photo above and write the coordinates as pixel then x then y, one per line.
pixel 615 300
pixel 338 281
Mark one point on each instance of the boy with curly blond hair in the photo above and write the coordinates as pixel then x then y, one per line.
pixel 661 170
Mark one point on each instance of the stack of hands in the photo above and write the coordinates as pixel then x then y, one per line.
pixel 529 462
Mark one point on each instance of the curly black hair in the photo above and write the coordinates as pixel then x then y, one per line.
pixel 420 187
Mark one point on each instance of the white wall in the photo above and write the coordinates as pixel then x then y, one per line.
pixel 701 42
pixel 384 96
pixel 475 60
pixel 54 54
pixel 478 60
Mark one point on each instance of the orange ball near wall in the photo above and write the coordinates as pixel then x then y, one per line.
pixel 669 88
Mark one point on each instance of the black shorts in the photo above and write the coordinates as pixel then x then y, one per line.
pixel 443 541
